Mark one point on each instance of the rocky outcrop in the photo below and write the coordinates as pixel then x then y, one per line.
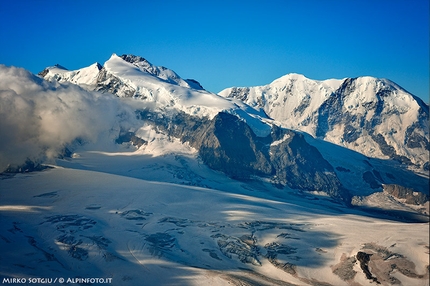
pixel 228 144
pixel 364 259
pixel 161 72
pixel 284 156
pixel 109 83
pixel 132 138
pixel 28 166
pixel 194 84
pixel 301 166
pixel 409 196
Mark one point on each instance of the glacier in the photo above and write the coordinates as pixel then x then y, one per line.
pixel 125 171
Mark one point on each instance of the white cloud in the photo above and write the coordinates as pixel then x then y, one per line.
pixel 38 118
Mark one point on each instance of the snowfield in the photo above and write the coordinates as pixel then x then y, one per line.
pixel 147 219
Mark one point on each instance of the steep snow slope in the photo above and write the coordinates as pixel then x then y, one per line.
pixel 138 83
pixel 85 76
pixel 373 116
pixel 161 72
pixel 89 75
pixel 133 76
pixel 288 98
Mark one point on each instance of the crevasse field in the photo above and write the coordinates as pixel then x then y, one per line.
pixel 151 217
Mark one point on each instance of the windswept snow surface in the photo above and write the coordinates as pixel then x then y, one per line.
pixel 152 217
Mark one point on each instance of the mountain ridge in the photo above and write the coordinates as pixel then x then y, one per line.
pixel 204 120
pixel 373 116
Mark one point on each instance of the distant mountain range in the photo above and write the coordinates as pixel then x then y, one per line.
pixel 282 132
pixel 375 117
pixel 258 131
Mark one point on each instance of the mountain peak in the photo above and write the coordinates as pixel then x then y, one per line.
pixel 160 72
pixel 97 65
pixel 373 116
pixel 60 67
pixel 289 77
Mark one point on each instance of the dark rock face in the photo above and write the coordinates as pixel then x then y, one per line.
pixel 130 137
pixel 409 195
pixel 240 93
pixel 44 72
pixel 364 259
pixel 28 166
pixel 415 140
pixel 389 150
pixel 111 84
pixel 301 166
pixel 330 111
pixel 303 105
pixel 351 134
pixel 228 144
pixel 194 84
pixel 231 146
pixel 142 64
pixel 133 59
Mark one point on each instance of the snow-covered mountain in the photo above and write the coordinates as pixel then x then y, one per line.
pixel 229 135
pixel 90 75
pixel 140 175
pixel 130 76
pixel 375 117
pixel 243 142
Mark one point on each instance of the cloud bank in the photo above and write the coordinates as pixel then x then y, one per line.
pixel 39 118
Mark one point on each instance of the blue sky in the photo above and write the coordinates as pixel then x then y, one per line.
pixel 227 43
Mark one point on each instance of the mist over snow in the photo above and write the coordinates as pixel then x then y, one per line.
pixel 39 118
